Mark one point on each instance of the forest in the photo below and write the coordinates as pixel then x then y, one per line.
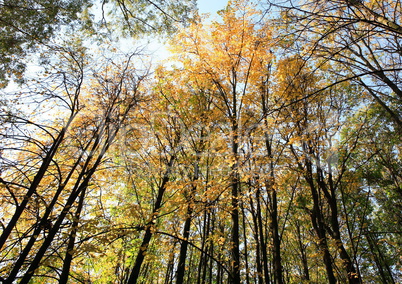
pixel 264 148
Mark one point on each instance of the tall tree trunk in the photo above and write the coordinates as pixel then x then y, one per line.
pixel 319 227
pixel 183 247
pixel 34 185
pixel 263 244
pixel 303 254
pixel 187 224
pixel 44 221
pixel 234 212
pixel 317 219
pixel 205 232
pixel 80 185
pixel 330 195
pixel 270 186
pixel 71 241
pixel 383 268
pixel 257 235
pixel 245 244
pixel 135 272
pixel 278 271
pixel 189 277
pixel 53 231
pixel 211 277
pixel 169 275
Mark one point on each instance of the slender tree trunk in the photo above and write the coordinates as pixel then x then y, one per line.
pixel 34 185
pixel 52 233
pixel 353 277
pixel 316 216
pixel 278 271
pixel 183 247
pixel 245 244
pixel 234 213
pixel 235 245
pixel 44 221
pixel 80 185
pixel 270 186
pixel 211 252
pixel 220 276
pixel 186 230
pixel 256 237
pixel 189 278
pixel 204 268
pixel 306 273
pixel 169 275
pixel 205 233
pixel 71 241
pixel 263 245
pixel 318 224
pixel 135 272
pixel 211 262
pixel 42 224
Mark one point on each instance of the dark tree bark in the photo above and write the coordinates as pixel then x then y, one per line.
pixel 35 183
pixel 270 186
pixel 234 213
pixel 44 221
pixel 149 228
pixel 71 240
pixel 186 230
pixel 303 254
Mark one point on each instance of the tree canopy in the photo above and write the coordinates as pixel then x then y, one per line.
pixel 265 149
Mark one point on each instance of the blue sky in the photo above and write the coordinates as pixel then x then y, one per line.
pixel 211 6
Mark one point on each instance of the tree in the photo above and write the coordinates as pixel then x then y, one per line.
pixel 168 155
pixel 362 36
pixel 26 24
pixel 231 56
pixel 247 157
pixel 358 41
pixel 150 17
pixel 59 182
pixel 35 24
pixel 31 25
pixel 376 160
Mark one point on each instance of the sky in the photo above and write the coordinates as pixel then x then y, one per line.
pixel 205 6
pixel 159 50
pixel 211 6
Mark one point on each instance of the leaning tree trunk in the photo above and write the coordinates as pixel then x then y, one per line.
pixel 149 230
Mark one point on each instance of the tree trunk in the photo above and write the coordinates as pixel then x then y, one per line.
pixel 71 241
pixel 234 212
pixel 257 236
pixel 135 272
pixel 186 230
pixel 34 185
pixel 245 244
pixel 276 242
pixel 306 274
pixel 184 246
pixel 317 218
